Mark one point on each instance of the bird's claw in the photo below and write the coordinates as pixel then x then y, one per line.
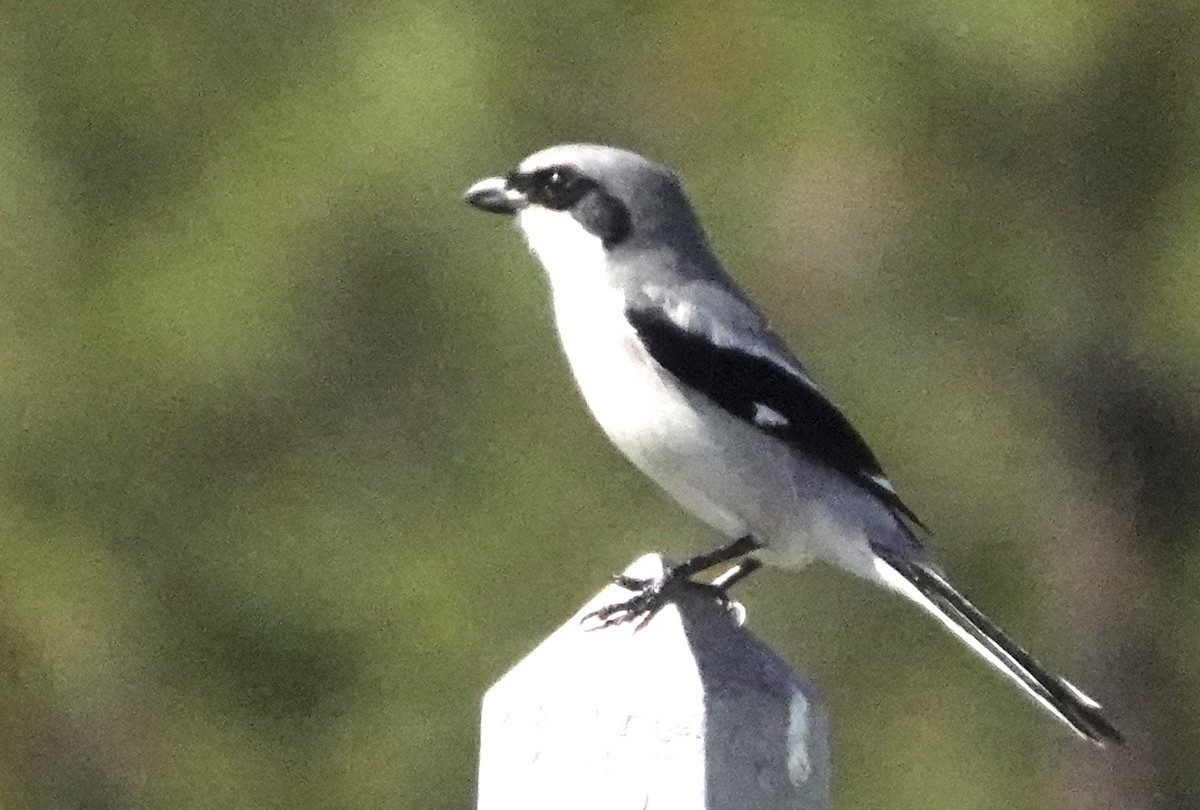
pixel 650 596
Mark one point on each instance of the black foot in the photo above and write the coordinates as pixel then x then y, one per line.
pixel 651 595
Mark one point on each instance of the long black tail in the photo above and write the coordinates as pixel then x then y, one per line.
pixel 922 584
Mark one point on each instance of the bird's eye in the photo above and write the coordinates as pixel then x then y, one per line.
pixel 557 187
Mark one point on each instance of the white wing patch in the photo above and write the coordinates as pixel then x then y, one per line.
pixel 768 417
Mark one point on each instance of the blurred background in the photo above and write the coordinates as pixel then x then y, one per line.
pixel 292 469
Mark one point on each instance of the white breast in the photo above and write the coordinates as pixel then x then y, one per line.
pixel 656 426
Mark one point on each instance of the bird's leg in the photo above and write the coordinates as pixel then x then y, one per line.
pixel 652 594
pixel 732 550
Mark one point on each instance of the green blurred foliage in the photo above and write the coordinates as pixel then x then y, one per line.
pixel 291 468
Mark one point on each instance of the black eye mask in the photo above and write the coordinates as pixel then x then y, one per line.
pixel 563 188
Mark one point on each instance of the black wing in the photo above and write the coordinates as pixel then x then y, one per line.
pixel 773 398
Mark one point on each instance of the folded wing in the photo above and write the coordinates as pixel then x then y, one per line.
pixel 747 374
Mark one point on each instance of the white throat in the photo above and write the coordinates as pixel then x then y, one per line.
pixel 573 258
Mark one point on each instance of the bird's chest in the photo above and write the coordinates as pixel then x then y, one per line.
pixel 623 387
pixel 662 430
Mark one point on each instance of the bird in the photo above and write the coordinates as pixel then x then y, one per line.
pixel 684 374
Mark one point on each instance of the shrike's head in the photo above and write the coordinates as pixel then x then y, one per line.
pixel 579 203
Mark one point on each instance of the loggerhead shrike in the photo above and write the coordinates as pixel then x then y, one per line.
pixel 685 376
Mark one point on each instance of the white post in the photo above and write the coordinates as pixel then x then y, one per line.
pixel 691 712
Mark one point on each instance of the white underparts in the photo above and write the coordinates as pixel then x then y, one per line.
pixel 573 258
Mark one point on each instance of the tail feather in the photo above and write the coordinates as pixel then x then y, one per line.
pixel 924 585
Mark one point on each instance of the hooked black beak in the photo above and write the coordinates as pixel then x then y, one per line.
pixel 494 196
